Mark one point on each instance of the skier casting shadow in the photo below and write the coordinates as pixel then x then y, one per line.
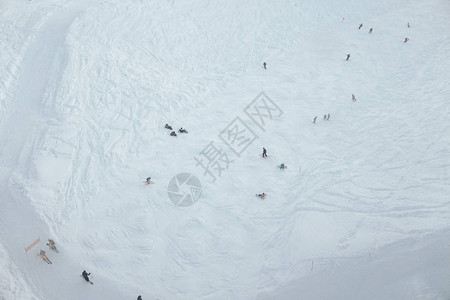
pixel 85 276
pixel 264 154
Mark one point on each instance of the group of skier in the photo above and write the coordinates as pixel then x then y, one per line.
pixel 325 117
pixel 173 133
pixel 361 25
pixel 43 254
pixel 348 58
pixel 370 31
pixel 281 166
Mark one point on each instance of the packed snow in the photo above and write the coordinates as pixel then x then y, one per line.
pixel 362 210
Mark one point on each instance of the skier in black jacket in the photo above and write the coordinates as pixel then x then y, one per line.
pixel 85 276
pixel 264 154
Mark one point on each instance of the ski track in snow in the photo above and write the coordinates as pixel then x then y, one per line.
pixel 87 86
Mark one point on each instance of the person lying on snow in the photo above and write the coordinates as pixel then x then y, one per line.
pixel 173 133
pixel 181 130
pixel 168 127
pixel 262 196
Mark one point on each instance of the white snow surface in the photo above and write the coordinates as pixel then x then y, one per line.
pixel 361 212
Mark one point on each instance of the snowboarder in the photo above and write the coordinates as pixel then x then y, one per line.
pixel 264 154
pixel 370 31
pixel 328 117
pixel 315 118
pixel 139 297
pixel 85 276
pixel 44 257
pixel 264 65
pixel 353 98
pixel 406 39
pixel 360 25
pixel 181 130
pixel 168 127
pixel 262 196
pixel 348 56
pixel 173 133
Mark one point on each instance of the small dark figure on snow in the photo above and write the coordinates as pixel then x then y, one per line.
pixel 264 154
pixel 264 65
pixel 148 180
pixel 348 56
pixel 324 117
pixel 168 127
pixel 85 275
pixel 181 130
pixel 173 133
pixel 370 31
pixel 408 25
pixel 406 39
pixel 328 117
pixel 353 98
pixel 360 25
pixel 315 118
pixel 139 297
pixel 262 196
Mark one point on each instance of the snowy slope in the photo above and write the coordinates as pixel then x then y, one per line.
pixel 87 86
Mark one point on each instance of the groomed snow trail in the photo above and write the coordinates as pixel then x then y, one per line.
pixel 87 87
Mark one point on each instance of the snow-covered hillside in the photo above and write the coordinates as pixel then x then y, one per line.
pixel 362 210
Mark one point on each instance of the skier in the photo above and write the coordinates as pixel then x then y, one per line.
pixel 139 297
pixel 148 180
pixel 168 127
pixel 370 31
pixel 44 257
pixel 264 154
pixel 314 121
pixel 348 56
pixel 283 166
pixel 360 25
pixel 181 130
pixel 406 39
pixel 262 196
pixel 173 133
pixel 408 25
pixel 328 117
pixel 353 98
pixel 264 65
pixel 324 117
pixel 51 244
pixel 85 276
